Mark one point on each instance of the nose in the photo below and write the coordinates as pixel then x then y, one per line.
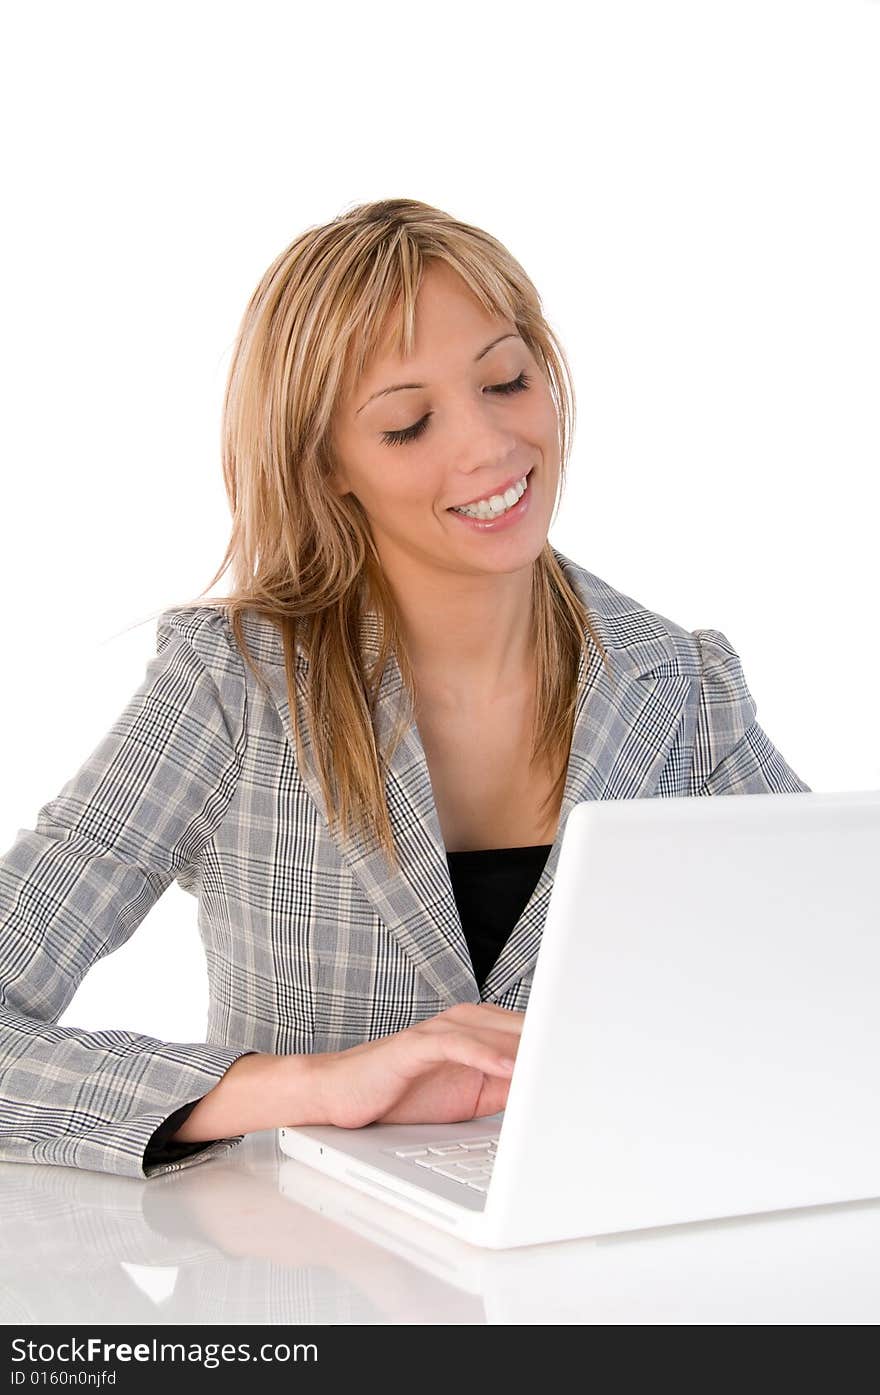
pixel 486 445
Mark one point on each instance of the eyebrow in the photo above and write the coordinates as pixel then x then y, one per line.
pixel 400 387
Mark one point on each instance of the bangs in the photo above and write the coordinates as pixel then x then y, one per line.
pixel 383 306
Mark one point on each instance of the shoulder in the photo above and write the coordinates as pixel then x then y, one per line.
pixel 642 639
pixel 648 645
pixel 204 628
pixel 197 643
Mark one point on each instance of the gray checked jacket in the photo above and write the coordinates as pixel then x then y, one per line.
pixel 310 944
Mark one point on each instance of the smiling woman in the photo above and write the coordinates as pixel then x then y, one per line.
pixel 419 415
pixel 362 760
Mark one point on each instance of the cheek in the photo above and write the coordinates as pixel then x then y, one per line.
pixel 395 485
pixel 547 415
pixel 397 482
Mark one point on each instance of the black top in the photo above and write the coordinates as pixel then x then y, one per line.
pixel 491 888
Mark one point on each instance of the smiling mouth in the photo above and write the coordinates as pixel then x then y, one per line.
pixel 497 494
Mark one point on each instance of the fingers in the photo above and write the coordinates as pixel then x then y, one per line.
pixel 482 1035
pixel 485 1049
pixel 486 1014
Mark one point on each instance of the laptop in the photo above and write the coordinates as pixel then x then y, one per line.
pixel 702 1038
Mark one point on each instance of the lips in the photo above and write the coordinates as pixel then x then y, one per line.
pixel 501 489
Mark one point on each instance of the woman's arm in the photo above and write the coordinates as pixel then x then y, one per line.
pixel 258 1091
pixel 76 886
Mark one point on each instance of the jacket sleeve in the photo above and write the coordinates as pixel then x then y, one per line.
pixel 732 753
pixel 160 1149
pixel 74 888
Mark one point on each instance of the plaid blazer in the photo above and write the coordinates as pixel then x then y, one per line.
pixel 310 945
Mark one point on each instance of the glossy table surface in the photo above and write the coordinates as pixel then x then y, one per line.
pixel 255 1237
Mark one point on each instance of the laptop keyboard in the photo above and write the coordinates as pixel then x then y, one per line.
pixel 465 1160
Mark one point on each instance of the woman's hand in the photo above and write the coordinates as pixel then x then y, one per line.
pixel 446 1069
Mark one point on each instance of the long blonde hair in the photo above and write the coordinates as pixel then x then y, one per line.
pixel 304 557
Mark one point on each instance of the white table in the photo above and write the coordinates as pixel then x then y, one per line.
pixel 258 1238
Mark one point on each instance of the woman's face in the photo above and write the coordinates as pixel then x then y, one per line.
pixel 468 439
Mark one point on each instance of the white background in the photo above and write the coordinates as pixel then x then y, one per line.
pixel 693 187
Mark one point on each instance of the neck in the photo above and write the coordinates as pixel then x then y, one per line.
pixel 468 638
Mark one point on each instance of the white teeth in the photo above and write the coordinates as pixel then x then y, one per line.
pixel 497 503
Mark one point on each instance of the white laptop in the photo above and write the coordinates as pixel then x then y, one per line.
pixel 702 1037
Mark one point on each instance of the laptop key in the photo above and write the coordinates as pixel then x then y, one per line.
pixel 452 1171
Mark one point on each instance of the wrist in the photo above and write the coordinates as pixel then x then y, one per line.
pixel 301 1085
pixel 258 1091
pixel 281 1090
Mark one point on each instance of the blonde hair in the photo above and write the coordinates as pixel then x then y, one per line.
pixel 304 557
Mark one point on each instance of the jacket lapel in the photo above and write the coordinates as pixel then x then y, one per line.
pixel 624 727
pixel 625 724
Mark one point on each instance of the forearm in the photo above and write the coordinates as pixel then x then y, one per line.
pixel 258 1091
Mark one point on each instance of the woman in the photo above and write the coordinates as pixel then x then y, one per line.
pixel 362 759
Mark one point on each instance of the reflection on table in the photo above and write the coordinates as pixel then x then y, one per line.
pixel 258 1238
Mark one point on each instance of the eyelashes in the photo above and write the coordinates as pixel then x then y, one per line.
pixel 409 433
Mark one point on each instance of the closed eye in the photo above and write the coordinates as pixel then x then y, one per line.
pixel 409 433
